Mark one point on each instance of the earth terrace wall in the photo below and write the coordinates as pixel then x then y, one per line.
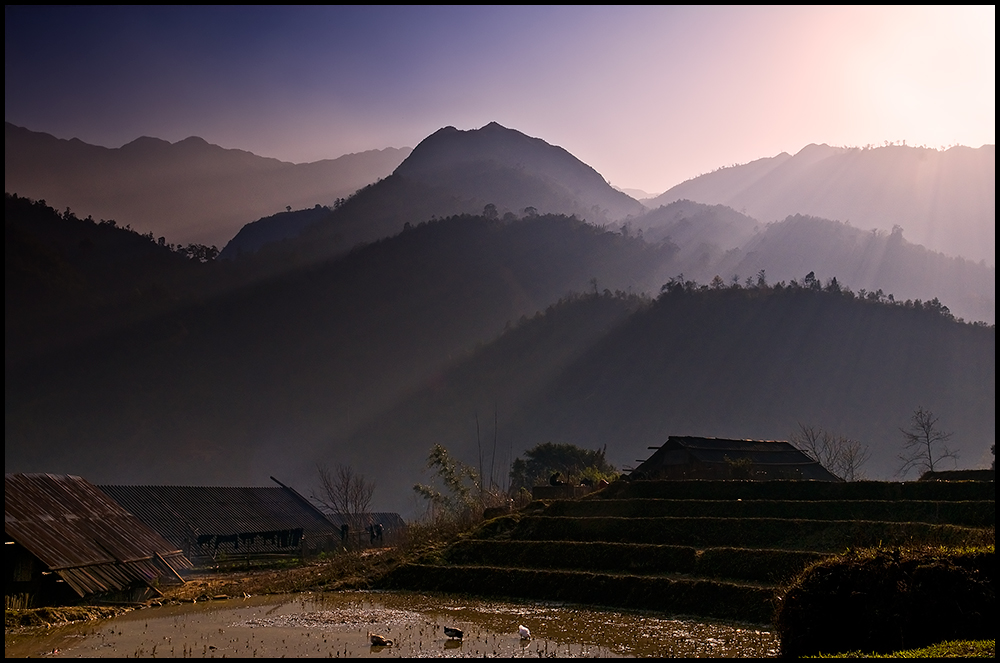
pixel 772 566
pixel 799 490
pixel 785 533
pixel 969 513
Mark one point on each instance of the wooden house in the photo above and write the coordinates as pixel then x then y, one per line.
pixel 66 541
pixel 220 523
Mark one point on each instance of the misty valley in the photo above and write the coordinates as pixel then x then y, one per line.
pixel 487 292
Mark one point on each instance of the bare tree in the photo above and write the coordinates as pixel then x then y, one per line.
pixel 345 491
pixel 924 445
pixel 843 456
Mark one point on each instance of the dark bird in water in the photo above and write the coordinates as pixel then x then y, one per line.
pixel 378 640
pixel 453 632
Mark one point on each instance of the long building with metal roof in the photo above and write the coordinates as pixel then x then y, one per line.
pixel 208 521
pixel 62 532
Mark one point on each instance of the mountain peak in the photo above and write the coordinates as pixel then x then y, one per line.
pixel 193 140
pixel 448 147
pixel 145 143
pixel 496 164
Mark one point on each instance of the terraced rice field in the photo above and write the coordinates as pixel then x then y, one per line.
pixel 719 549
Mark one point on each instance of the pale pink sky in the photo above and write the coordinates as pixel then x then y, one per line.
pixel 649 96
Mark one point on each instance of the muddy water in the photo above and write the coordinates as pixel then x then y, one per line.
pixel 338 624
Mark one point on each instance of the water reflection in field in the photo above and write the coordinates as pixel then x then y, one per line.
pixel 338 624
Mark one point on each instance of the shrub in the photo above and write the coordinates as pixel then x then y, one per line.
pixel 883 600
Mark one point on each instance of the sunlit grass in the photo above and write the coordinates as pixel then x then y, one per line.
pixel 950 649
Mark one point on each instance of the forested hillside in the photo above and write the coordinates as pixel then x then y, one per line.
pixel 234 384
pixel 720 362
pixel 715 240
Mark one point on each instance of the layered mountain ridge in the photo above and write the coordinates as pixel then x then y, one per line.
pixel 943 200
pixel 188 192
pixel 432 299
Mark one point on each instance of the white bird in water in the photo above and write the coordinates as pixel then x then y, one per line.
pixel 524 632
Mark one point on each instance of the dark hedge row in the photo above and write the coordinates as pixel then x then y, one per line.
pixel 706 598
pixel 889 599
pixel 801 490
pixel 969 513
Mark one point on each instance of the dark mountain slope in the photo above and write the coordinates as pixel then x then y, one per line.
pixel 461 172
pixel 944 200
pixel 260 380
pixel 269 229
pixel 455 159
pixel 728 363
pixel 68 279
pixel 189 191
pixel 756 363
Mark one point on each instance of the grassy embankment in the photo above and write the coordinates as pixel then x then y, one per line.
pixel 950 649
pixel 889 599
pixel 724 549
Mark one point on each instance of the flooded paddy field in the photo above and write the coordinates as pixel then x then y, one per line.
pixel 338 625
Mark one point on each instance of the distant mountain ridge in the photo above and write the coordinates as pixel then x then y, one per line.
pixel 943 200
pixel 866 260
pixel 715 240
pixel 189 192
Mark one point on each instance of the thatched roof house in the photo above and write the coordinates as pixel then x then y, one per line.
pixel 682 457
pixel 66 540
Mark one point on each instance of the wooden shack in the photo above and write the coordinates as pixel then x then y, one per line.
pixel 225 523
pixel 66 541
pixel 683 457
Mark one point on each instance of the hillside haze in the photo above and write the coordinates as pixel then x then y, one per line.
pixel 716 241
pixel 492 287
pixel 728 362
pixel 943 200
pixel 188 192
pixel 265 378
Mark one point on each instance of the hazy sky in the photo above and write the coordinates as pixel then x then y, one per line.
pixel 649 96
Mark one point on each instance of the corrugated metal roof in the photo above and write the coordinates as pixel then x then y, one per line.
pixel 76 530
pixel 183 514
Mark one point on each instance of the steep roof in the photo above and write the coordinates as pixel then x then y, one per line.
pixel 680 450
pixel 182 514
pixel 74 529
